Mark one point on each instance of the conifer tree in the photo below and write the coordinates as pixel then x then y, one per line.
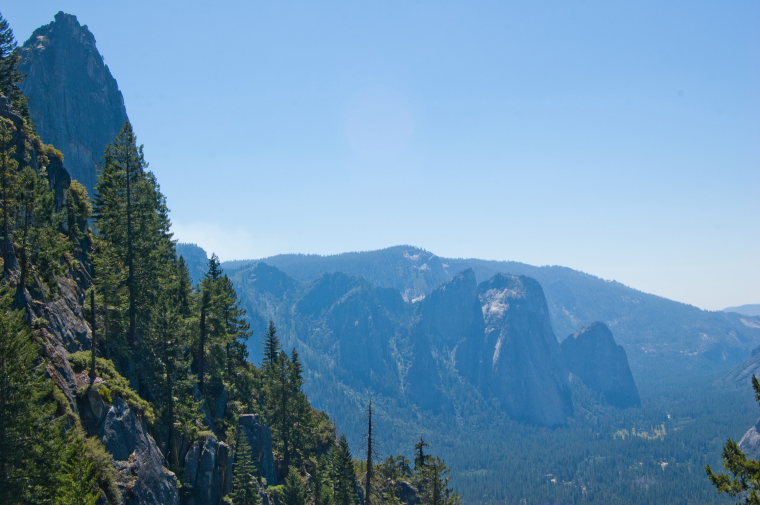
pixel 431 476
pixel 37 239
pixel 294 491
pixel 131 215
pixel 79 477
pixel 8 193
pixel 343 475
pixel 743 478
pixel 134 252
pixel 420 458
pixel 245 488
pixel 27 435
pixel 271 347
pixel 94 330
pixel 10 76
pixel 78 213
pixel 370 453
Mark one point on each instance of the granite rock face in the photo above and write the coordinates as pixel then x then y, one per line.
pixel 144 478
pixel 750 442
pixel 208 472
pixel 492 341
pixel 260 438
pixel 442 321
pixel 593 356
pixel 73 98
pixel 519 358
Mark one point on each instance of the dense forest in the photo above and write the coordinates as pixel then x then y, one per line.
pixel 94 297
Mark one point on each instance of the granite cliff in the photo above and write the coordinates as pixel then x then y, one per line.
pixel 73 98
pixel 593 356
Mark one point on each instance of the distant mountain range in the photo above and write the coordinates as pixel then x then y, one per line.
pixel 663 338
pixel 752 309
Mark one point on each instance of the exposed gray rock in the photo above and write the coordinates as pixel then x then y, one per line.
pixel 518 358
pixel 196 260
pixel 260 438
pixel 741 376
pixel 73 98
pixel 407 493
pixel 429 353
pixel 144 478
pixel 208 471
pixel 593 356
pixel 750 442
pixel 446 317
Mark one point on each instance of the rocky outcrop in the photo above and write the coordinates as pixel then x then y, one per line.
pixel 260 438
pixel 445 318
pixel 208 472
pixel 593 356
pixel 144 478
pixel 518 357
pixel 741 376
pixel 750 442
pixel 73 98
pixel 492 340
pixel 196 260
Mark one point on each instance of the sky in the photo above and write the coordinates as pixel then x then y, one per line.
pixel 618 138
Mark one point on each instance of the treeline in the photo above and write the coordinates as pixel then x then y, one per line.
pixel 176 352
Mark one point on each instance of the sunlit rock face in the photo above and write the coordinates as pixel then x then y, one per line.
pixel 519 358
pixel 73 98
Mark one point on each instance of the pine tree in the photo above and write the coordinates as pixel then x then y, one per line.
pixel 431 476
pixel 135 251
pixel 743 478
pixel 79 476
pixel 25 427
pixel 370 453
pixel 78 213
pixel 131 215
pixel 10 76
pixel 294 491
pixel 94 330
pixel 420 458
pixel 271 347
pixel 299 421
pixel 343 475
pixel 9 181
pixel 37 239
pixel 245 487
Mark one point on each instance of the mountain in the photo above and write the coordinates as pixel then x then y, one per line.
pixel 663 339
pixel 519 354
pixel 745 310
pixel 196 259
pixel 475 368
pixel 593 356
pixel 73 98
pixel 493 340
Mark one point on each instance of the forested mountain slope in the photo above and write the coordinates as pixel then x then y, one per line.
pixel 122 384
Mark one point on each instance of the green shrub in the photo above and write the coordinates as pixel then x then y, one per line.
pixel 114 384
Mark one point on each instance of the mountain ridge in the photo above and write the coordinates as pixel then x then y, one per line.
pixel 662 337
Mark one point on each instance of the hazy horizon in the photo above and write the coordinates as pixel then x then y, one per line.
pixel 619 140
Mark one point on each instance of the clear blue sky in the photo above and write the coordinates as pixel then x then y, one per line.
pixel 619 138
